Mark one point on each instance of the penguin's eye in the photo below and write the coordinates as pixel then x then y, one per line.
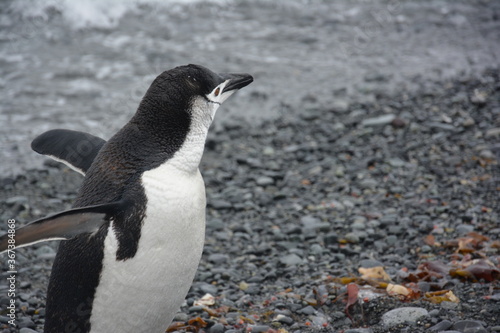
pixel 217 91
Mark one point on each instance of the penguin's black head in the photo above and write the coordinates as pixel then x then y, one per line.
pixel 193 90
pixel 184 84
pixel 214 87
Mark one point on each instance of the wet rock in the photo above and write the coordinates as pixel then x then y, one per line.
pixel 469 326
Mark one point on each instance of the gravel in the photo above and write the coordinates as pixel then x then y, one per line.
pixel 282 225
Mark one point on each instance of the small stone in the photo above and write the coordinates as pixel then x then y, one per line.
pixel 398 123
pixel 352 237
pixel 218 258
pixel 441 326
pixel 268 151
pixel 45 252
pixel 449 305
pixel 396 162
pixel 434 312
pixel 208 288
pixel 196 308
pixel 479 97
pixel 379 121
pixel 291 260
pixel 217 328
pixel 284 319
pixel 370 263
pixel 368 183
pixel 258 328
pixel 25 284
pixel 493 132
pixel 359 330
pixel 340 106
pixel 408 315
pixel 464 229
pixel 17 200
pixel 487 154
pixel 308 310
pixel 181 316
pixel 27 330
pixel 264 181
pixel 316 249
pixel 220 204
pixel 331 239
pixel 469 326
pixel 468 122
pixel 26 323
pixel 391 240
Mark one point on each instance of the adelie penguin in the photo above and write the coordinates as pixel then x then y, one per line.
pixel 134 238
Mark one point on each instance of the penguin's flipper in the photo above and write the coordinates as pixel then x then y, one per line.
pixel 73 148
pixel 63 225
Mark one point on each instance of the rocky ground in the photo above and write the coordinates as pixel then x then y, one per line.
pixel 296 206
pixel 370 138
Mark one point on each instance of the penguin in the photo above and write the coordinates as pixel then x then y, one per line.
pixel 134 237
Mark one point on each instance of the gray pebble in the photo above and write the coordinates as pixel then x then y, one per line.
pixel 469 326
pixel 378 121
pixel 291 260
pixel 359 330
pixel 220 204
pixel 17 200
pixel 264 181
pixel 403 315
pixel 449 305
pixel 369 263
pixel 316 249
pixel 218 258
pixel 284 320
pixel 217 328
pixel 27 330
pixel 352 237
pixel 195 309
pixel 25 323
pixel 308 310
pixel 258 328
pixel 434 312
pixel 181 316
pixel 441 326
pixel 464 229
pixel 45 251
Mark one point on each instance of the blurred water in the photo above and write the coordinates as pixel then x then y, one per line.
pixel 86 64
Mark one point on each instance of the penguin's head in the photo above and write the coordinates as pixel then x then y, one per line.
pixel 193 91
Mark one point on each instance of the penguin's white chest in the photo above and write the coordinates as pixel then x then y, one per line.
pixel 143 293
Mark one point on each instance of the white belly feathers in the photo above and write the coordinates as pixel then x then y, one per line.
pixel 142 294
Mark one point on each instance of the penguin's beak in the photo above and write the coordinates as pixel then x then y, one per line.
pixel 236 81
